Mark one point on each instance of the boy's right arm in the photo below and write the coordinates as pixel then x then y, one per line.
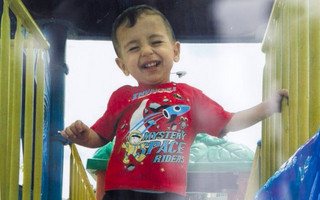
pixel 81 134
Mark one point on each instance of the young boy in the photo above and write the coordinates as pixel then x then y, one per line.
pixel 156 122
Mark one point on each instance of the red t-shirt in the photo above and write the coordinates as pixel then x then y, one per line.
pixel 154 129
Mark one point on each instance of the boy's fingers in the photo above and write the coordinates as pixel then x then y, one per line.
pixel 78 126
pixel 74 130
pixel 65 133
pixel 284 93
pixel 69 132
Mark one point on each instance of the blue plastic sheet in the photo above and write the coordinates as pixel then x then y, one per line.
pixel 298 178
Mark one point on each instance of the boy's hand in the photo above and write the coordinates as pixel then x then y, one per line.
pixel 275 101
pixel 77 132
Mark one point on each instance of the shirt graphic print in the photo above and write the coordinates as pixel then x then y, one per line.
pixel 169 144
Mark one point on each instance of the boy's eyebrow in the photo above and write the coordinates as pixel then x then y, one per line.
pixel 156 36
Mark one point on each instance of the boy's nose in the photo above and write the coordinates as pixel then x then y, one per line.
pixel 146 50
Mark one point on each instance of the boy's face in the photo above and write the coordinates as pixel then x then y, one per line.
pixel 147 51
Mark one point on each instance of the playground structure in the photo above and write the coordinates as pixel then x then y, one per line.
pixel 32 108
pixel 32 97
pixel 292 47
pixel 12 62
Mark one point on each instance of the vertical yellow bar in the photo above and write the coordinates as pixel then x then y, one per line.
pixel 303 71
pixel 28 121
pixel 76 185
pixel 16 113
pixel 71 180
pixel 78 182
pixel 285 81
pixel 278 84
pixel 82 189
pixel 266 137
pixel 269 131
pixel 293 80
pixel 4 97
pixel 264 133
pixel 272 83
pixel 254 177
pixel 314 65
pixel 39 127
pixel 10 146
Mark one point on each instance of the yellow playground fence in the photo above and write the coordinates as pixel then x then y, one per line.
pixel 292 46
pixel 23 61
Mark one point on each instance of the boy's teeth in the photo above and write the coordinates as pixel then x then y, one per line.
pixel 151 64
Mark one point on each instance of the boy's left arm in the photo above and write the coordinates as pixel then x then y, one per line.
pixel 251 116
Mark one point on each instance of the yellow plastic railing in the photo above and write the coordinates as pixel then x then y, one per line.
pixel 80 187
pixel 254 177
pixel 292 48
pixel 27 40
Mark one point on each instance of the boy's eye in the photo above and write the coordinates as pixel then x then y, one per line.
pixel 156 42
pixel 133 48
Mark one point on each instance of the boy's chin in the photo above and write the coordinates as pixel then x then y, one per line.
pixel 152 83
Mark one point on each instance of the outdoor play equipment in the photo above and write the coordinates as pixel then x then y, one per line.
pixel 32 72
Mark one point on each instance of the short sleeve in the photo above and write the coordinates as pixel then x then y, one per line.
pixel 208 116
pixel 106 125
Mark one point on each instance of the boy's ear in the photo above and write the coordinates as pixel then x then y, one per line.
pixel 176 51
pixel 122 66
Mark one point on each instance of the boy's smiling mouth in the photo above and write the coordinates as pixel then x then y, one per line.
pixel 150 64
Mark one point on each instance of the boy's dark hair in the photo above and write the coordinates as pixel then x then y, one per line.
pixel 130 17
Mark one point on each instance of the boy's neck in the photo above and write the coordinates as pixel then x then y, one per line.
pixel 147 86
